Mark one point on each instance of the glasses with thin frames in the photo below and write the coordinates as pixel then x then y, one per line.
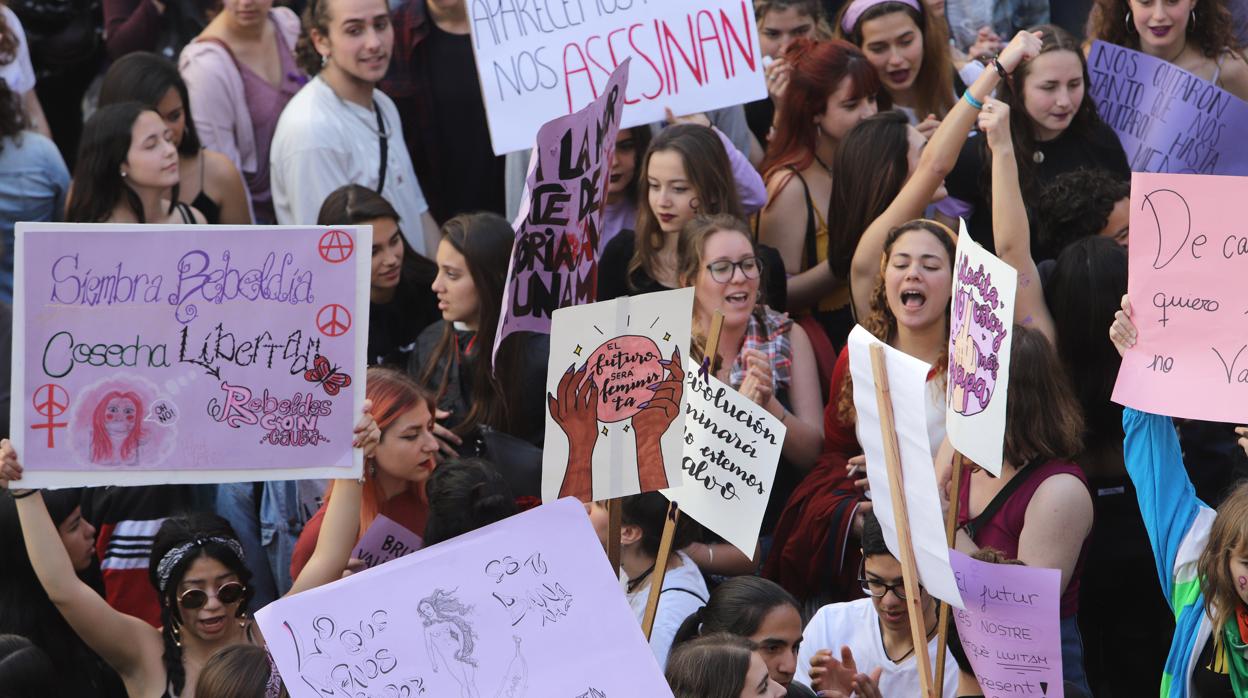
pixel 227 594
pixel 722 270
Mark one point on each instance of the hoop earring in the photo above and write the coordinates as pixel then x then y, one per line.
pixel 1129 24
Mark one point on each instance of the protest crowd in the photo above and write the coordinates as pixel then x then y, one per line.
pixel 892 138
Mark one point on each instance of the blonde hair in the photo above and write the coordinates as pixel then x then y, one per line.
pixel 1226 538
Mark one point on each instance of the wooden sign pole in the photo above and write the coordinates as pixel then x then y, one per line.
pixel 673 511
pixel 909 570
pixel 951 532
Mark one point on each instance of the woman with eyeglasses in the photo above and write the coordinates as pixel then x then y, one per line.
pixel 198 569
pixel 872 635
pixel 761 352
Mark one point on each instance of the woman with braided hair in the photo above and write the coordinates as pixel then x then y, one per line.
pixel 198 570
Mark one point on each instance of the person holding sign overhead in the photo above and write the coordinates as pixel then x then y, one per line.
pixel 901 279
pixel 127 170
pixel 196 566
pixel 1199 552
pixel 1197 36
pixel 394 474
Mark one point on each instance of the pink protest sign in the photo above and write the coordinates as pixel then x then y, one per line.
pixel 1010 627
pixel 1188 256
pixel 528 606
pixel 554 262
pixel 981 324
pixel 153 354
pixel 1169 120
pixel 385 540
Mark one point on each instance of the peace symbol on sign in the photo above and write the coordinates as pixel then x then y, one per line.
pixel 333 320
pixel 336 246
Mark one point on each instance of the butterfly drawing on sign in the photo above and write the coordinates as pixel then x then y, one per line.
pixel 331 379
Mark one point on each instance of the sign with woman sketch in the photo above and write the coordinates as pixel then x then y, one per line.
pixel 153 354
pixel 502 612
pixel 616 396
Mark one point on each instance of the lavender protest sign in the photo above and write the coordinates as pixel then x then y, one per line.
pixel 385 540
pixel 1168 119
pixel 538 61
pixel 153 354
pixel 554 261
pixel 528 606
pixel 1009 627
pixel 616 396
pixel 981 322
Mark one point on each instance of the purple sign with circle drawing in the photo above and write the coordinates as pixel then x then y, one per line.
pixel 154 354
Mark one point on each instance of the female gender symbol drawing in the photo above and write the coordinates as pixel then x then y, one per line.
pixel 449 639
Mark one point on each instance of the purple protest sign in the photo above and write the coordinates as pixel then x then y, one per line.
pixel 981 330
pixel 528 606
pixel 1168 119
pixel 554 262
pixel 1009 627
pixel 152 354
pixel 385 540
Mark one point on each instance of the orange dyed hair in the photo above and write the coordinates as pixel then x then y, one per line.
pixel 393 394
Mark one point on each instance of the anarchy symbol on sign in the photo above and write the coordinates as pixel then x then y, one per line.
pixel 51 401
pixel 333 320
pixel 336 246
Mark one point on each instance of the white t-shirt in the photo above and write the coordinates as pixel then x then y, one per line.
pixel 19 74
pixel 856 625
pixel 323 142
pixel 684 591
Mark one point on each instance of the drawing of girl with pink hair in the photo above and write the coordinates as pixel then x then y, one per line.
pixel 117 428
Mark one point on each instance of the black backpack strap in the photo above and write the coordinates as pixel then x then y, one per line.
pixel 383 145
pixel 694 594
pixel 808 245
pixel 972 527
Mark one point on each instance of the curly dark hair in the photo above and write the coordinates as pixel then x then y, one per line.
pixel 12 118
pixel 1076 205
pixel 1213 31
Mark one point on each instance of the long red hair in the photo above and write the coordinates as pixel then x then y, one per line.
pixel 817 69
pixel 393 394
pixel 101 444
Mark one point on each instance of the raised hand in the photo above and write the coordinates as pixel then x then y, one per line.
pixel 1023 47
pixel 654 419
pixel 367 434
pixel 576 412
pixel 10 468
pixel 1123 333
pixel 994 121
pixel 827 674
pixel 777 73
pixel 757 385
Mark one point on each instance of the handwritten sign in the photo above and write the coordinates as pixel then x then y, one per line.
pixel 616 397
pixel 539 61
pixel 528 606
pixel 732 448
pixel 907 380
pixel 981 321
pixel 1009 627
pixel 1187 263
pixel 385 540
pixel 554 261
pixel 1168 119
pixel 152 354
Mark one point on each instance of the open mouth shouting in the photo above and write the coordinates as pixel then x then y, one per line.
pixel 913 300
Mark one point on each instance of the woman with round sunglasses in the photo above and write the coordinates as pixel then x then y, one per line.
pixel 200 576
pixel 762 353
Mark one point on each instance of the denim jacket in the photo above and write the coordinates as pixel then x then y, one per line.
pixel 33 183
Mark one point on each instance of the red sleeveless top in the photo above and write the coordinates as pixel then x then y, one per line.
pixel 1004 528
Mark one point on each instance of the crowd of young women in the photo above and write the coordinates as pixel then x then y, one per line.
pixel 878 133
